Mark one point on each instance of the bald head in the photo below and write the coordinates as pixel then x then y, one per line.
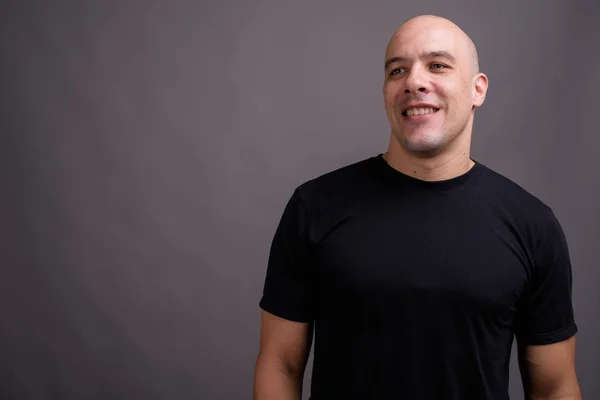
pixel 432 86
pixel 421 23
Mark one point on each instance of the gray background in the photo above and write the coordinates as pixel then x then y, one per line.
pixel 148 149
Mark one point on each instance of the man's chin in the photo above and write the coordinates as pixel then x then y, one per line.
pixel 423 148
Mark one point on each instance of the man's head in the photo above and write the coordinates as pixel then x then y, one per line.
pixel 432 85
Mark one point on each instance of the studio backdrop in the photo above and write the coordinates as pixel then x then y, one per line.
pixel 148 149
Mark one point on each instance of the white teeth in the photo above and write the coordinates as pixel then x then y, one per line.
pixel 419 111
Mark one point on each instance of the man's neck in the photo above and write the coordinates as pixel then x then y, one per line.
pixel 440 167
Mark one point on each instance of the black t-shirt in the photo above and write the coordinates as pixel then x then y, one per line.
pixel 417 288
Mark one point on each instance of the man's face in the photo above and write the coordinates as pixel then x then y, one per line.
pixel 429 89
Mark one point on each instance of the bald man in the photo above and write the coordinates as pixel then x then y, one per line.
pixel 416 268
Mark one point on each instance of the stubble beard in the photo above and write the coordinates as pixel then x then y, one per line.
pixel 431 142
pixel 424 144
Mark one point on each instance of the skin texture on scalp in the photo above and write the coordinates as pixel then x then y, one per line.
pixel 472 49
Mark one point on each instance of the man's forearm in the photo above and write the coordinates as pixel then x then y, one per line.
pixel 273 382
pixel 574 394
pixel 567 389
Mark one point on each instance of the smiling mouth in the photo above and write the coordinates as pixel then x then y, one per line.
pixel 411 112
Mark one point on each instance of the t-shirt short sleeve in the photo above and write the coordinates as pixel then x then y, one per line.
pixel 545 315
pixel 289 284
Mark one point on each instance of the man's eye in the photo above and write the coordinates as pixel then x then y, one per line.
pixel 437 65
pixel 396 71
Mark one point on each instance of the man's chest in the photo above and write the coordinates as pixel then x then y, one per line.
pixel 446 257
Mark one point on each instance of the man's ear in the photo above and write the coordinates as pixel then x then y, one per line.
pixel 481 86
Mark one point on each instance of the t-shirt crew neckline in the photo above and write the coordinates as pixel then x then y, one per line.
pixel 443 185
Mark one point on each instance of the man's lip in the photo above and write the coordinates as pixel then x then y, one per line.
pixel 419 105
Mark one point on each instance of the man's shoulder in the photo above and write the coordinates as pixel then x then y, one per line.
pixel 499 187
pixel 347 177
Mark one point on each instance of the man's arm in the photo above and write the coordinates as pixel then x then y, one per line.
pixel 548 371
pixel 284 349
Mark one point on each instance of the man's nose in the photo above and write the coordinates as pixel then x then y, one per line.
pixel 416 81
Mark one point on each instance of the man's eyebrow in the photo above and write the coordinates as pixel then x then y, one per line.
pixel 442 54
pixel 431 54
pixel 394 60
